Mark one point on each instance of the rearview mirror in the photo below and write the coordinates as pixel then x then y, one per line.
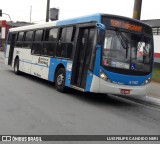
pixel 100 37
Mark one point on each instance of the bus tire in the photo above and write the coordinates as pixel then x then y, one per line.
pixel 16 66
pixel 60 80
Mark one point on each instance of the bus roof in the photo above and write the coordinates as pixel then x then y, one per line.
pixel 89 18
pixel 34 26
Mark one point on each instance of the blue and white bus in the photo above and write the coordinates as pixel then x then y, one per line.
pixel 99 53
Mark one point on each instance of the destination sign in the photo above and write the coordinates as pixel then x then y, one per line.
pixel 125 25
pixel 129 24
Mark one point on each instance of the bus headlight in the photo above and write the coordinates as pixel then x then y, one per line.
pixel 147 81
pixel 103 76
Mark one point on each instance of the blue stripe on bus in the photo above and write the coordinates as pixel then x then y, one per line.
pixel 33 63
pixel 97 60
pixel 68 78
pixel 126 79
pixel 51 70
pixel 53 65
pixel 89 81
pixel 95 17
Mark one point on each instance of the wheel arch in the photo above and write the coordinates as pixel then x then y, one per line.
pixel 16 65
pixel 17 57
pixel 57 68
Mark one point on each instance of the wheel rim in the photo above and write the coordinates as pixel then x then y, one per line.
pixel 60 79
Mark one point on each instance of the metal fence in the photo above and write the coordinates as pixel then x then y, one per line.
pixel 156 30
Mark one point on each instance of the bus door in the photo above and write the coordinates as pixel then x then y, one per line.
pixel 11 50
pixel 81 60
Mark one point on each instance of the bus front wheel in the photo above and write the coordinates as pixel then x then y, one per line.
pixel 60 80
pixel 16 67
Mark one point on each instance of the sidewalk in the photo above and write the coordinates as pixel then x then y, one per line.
pixel 154 90
pixel 1 55
pixel 154 94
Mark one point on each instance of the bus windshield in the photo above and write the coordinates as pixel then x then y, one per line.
pixel 127 51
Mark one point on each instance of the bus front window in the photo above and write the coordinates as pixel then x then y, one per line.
pixel 127 51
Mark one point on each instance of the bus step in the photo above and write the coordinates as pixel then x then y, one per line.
pixel 77 88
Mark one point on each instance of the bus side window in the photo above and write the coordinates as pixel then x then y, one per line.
pixel 46 37
pixel 9 38
pixel 28 39
pixel 50 42
pixel 19 41
pixel 91 51
pixel 37 43
pixel 65 45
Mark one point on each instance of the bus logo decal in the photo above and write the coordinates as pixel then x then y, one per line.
pixel 43 61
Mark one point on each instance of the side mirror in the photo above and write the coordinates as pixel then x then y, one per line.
pixel 100 37
pixel 101 32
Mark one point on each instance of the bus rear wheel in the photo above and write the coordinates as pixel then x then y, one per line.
pixel 60 80
pixel 16 67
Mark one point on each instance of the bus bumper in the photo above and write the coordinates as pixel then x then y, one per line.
pixel 110 88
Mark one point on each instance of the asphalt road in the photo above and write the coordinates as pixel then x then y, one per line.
pixel 32 106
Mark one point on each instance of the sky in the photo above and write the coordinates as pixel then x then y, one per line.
pixel 19 10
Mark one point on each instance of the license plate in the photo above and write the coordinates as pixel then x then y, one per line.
pixel 125 91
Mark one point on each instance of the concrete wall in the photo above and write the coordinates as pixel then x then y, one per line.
pixel 157 48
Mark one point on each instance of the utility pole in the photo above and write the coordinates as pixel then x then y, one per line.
pixel 47 11
pixel 137 9
pixel 0 12
pixel 30 13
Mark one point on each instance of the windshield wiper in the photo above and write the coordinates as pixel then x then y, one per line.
pixel 123 41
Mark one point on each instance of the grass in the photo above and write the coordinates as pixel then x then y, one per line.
pixel 156 75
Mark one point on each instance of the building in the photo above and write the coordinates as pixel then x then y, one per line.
pixel 4 27
pixel 155 24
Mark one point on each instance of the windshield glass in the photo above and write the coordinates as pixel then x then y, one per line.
pixel 127 51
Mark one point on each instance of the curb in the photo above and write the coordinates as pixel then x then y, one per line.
pixel 153 100
pixel 147 101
